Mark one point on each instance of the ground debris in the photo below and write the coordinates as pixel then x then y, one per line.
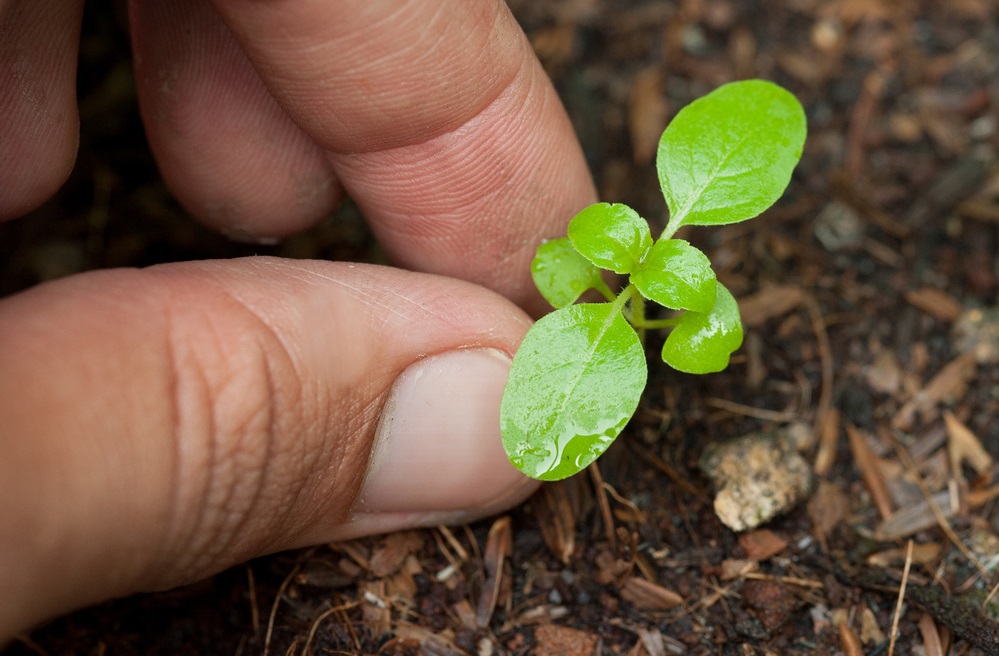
pixel 758 477
pixel 649 596
pixel 554 640
pixel 977 331
pixel 949 384
pixel 965 619
pixel 887 229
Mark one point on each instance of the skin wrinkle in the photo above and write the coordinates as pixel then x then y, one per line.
pixel 227 499
pixel 161 554
pixel 354 437
pixel 186 528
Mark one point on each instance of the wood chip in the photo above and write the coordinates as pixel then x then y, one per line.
pixel 829 433
pixel 827 508
pixel 915 518
pixel 924 554
pixel 498 547
pixel 392 553
pixel 653 641
pixel 732 569
pixel 646 595
pixel 931 636
pixel 935 302
pixel 884 375
pixel 964 447
pixel 374 608
pixel 552 640
pixel 762 544
pixel 849 640
pixel 426 640
pixel 769 302
pixel 463 611
pixel 870 632
pixel 948 384
pixel 556 518
pixel 870 471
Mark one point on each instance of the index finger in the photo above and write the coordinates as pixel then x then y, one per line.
pixel 438 120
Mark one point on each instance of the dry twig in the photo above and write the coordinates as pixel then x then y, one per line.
pixel 901 598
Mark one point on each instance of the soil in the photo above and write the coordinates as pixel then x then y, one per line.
pixel 869 295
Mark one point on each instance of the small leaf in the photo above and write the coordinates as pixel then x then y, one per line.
pixel 574 384
pixel 701 343
pixel 728 156
pixel 561 274
pixel 677 275
pixel 613 237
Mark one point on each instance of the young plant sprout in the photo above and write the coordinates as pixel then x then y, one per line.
pixel 579 374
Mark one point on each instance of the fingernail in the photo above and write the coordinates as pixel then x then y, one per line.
pixel 437 446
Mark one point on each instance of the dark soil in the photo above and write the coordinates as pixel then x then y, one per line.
pixel 858 290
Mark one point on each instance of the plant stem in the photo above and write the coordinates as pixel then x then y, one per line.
pixel 622 299
pixel 637 317
pixel 657 324
pixel 605 290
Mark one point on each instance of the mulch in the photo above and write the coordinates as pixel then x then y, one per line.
pixel 872 334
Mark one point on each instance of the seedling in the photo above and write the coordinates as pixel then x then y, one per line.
pixel 579 374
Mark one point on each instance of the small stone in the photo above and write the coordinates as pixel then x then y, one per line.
pixel 838 227
pixel 757 477
pixel 977 331
pixel 772 602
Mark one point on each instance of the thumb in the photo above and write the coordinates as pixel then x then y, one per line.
pixel 160 425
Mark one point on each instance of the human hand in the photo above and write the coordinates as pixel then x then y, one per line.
pixel 157 426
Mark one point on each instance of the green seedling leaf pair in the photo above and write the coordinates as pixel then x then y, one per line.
pixel 579 374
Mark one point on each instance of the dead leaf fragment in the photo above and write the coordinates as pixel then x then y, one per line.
pixel 732 568
pixel 653 642
pixel 827 507
pixel 498 547
pixel 963 446
pixel 870 632
pixel 917 517
pixel 762 544
pixel 825 455
pixel 556 517
pixel 935 302
pixel 884 375
pixel 769 302
pixel 931 636
pixel 948 384
pixel 646 595
pixel 849 640
pixel 925 554
pixel 407 634
pixel 870 472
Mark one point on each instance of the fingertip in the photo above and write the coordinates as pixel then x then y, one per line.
pixel 226 149
pixel 40 127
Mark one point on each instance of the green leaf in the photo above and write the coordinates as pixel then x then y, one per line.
pixel 612 236
pixel 561 274
pixel 575 382
pixel 728 156
pixel 701 343
pixel 677 275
